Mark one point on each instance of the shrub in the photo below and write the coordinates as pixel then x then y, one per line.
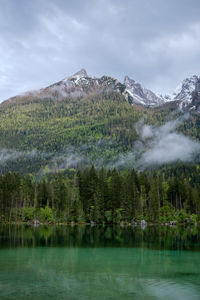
pixel 45 214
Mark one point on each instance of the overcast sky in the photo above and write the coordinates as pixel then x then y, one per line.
pixel 155 42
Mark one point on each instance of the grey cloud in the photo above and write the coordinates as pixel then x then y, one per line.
pixel 6 155
pixel 11 154
pixel 63 161
pixel 158 145
pixel 166 145
pixel 155 42
pixel 146 132
pixel 170 148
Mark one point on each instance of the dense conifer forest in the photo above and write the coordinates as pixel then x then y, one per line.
pixel 171 194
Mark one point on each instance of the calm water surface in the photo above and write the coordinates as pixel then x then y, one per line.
pixel 84 262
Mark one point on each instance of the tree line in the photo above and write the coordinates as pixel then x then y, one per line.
pixel 103 196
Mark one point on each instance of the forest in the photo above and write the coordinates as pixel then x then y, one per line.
pixel 37 185
pixel 33 132
pixel 167 195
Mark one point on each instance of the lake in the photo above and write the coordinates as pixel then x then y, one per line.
pixel 100 262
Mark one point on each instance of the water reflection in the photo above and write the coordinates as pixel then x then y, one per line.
pixel 83 262
pixel 153 237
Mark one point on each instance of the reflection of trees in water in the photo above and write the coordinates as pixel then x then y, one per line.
pixel 153 237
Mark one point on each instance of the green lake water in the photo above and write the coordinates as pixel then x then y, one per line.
pixel 83 262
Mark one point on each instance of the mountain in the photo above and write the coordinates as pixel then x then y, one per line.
pixel 81 84
pixel 141 95
pixel 184 92
pixel 77 85
pixel 83 120
pixel 194 103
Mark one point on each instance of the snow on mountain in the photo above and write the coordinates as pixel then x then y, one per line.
pixel 194 104
pixel 145 97
pixel 81 84
pixel 184 91
pixel 141 95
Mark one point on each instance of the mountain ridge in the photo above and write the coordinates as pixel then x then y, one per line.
pixel 81 84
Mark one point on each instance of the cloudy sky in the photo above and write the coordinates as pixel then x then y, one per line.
pixel 156 42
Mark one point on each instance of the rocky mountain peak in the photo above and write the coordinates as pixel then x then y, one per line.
pixel 185 89
pixel 141 95
pixel 195 97
pixel 80 84
pixel 78 75
pixel 128 80
pixel 81 73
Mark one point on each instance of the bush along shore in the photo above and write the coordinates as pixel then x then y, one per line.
pixel 167 196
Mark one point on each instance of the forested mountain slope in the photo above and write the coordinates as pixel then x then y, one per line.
pixel 41 132
pixel 92 129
